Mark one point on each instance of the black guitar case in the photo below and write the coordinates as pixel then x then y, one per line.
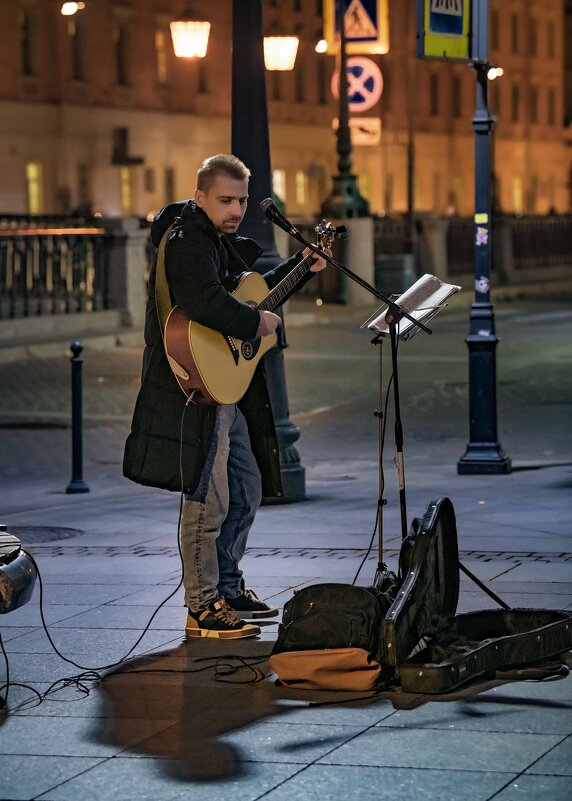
pixel 430 648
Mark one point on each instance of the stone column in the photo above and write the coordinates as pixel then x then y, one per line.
pixel 127 261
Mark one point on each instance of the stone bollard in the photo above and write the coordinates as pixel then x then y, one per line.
pixel 77 484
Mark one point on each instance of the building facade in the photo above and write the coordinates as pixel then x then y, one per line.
pixel 96 112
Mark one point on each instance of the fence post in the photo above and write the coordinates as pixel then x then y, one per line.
pixel 435 236
pixel 127 260
pixel 77 484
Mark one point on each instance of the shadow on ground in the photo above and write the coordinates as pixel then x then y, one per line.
pixel 192 698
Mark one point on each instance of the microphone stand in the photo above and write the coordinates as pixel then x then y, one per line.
pixel 383 577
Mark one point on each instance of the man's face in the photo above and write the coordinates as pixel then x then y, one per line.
pixel 224 202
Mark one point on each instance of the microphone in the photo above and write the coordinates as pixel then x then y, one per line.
pixel 275 215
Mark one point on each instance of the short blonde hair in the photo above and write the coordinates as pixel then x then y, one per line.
pixel 222 164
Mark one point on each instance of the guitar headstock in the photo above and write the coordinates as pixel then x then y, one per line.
pixel 327 232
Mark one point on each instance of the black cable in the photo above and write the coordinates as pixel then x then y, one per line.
pixel 4 699
pixel 382 481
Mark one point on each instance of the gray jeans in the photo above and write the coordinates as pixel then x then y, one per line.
pixel 216 519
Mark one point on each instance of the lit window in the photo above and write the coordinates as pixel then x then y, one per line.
pixel 363 185
pixel 126 190
pixel 517 194
pixel 301 188
pixel 35 188
pixel 279 184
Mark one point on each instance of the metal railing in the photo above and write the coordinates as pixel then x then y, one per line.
pixel 460 246
pixel 49 266
pixel 539 242
pixel 392 236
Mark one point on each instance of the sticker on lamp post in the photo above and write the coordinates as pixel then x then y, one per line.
pixel 482 285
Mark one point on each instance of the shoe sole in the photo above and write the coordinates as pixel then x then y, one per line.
pixel 255 615
pixel 223 635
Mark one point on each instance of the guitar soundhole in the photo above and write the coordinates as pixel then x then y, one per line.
pixel 250 349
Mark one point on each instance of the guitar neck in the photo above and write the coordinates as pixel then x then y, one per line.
pixel 277 295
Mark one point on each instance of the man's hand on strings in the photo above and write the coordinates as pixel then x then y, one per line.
pixel 269 322
pixel 319 263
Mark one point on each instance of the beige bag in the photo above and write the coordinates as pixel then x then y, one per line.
pixel 327 669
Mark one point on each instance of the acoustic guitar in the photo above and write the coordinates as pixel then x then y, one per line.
pixel 215 368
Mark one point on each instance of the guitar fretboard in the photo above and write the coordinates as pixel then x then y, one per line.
pixel 275 297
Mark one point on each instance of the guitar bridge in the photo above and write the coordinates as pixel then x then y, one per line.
pixel 233 349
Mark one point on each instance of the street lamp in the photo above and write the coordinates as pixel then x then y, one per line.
pixel 69 9
pixel 250 143
pixel 280 52
pixel 484 454
pixel 190 35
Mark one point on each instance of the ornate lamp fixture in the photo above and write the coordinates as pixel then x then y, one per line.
pixel 69 9
pixel 280 52
pixel 190 35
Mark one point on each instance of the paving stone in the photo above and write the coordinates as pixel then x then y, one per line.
pixel 340 783
pixel 557 762
pixel 24 777
pixel 442 749
pixel 532 788
pixel 152 779
pixel 67 736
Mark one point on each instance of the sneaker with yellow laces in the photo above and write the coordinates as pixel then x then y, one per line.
pixel 218 621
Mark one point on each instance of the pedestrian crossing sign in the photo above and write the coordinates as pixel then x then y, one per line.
pixel 443 29
pixel 366 25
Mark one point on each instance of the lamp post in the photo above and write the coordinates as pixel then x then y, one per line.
pixel 250 142
pixel 484 453
pixel 344 200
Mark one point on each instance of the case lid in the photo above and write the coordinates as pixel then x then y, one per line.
pixel 429 570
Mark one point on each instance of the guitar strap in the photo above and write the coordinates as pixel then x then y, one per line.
pixel 162 294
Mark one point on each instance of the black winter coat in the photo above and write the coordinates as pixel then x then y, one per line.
pixel 166 437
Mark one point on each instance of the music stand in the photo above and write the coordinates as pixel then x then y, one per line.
pixel 401 319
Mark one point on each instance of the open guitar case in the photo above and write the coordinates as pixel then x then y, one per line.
pixel 428 648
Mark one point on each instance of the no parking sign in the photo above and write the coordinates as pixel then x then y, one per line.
pixel 365 83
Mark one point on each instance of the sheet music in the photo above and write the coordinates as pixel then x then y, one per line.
pixel 423 301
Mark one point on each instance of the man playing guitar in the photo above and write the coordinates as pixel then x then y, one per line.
pixel 222 456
